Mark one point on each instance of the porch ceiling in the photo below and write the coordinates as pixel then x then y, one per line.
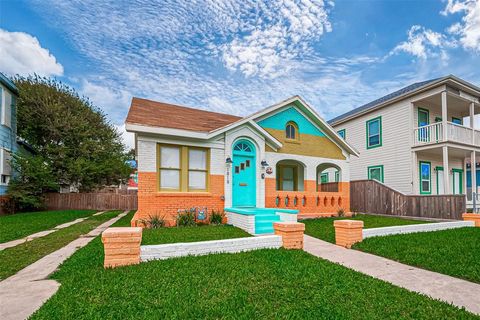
pixel 453 152
pixel 455 103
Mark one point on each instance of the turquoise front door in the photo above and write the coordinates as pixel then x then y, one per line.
pixel 244 181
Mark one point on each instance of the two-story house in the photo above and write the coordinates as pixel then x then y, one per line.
pixel 418 140
pixel 8 129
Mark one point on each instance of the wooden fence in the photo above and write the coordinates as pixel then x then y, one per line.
pixel 98 201
pixel 370 196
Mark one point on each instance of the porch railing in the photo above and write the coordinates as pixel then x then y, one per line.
pixel 433 133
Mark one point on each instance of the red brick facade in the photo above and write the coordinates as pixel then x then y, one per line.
pixel 166 204
pixel 309 202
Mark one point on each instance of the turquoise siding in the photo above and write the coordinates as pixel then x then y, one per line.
pixel 279 120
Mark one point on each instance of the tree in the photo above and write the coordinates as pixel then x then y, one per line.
pixel 71 135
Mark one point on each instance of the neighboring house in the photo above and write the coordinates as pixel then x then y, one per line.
pixel 419 139
pixel 273 158
pixel 8 129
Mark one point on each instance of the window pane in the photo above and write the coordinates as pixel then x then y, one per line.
pixel 287 185
pixel 197 180
pixel 169 157
pixel 374 127
pixel 169 179
pixel 376 174
pixel 288 173
pixel 197 159
pixel 425 171
pixel 374 140
pixel 426 186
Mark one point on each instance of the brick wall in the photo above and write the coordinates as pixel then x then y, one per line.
pixel 309 202
pixel 164 204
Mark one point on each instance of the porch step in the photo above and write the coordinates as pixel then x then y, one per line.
pixel 261 218
pixel 264 230
pixel 264 223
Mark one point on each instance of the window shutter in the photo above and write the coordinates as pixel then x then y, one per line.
pixel 7 111
pixel 5 167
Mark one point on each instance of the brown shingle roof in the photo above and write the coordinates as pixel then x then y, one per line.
pixel 159 114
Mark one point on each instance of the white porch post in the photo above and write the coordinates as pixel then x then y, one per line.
pixel 444 116
pixel 446 171
pixel 473 171
pixel 415 177
pixel 472 121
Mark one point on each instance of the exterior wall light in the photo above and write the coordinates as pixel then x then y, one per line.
pixel 228 162
pixel 264 164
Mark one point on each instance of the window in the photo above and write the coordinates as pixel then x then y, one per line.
pixel 4 179
pixel 342 133
pixel 457 120
pixel 182 168
pixel 374 133
pixel 425 177
pixel 324 177
pixel 291 131
pixel 423 117
pixel 376 173
pixel 337 176
pixel 242 146
pixel 287 178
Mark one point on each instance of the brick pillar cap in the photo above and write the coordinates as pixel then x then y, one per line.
pixel 122 232
pixel 471 215
pixel 348 223
pixel 289 226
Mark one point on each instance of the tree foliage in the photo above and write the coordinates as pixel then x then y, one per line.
pixel 71 136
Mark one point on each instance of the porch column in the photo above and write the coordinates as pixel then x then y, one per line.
pixel 446 171
pixel 473 171
pixel 444 115
pixel 472 121
pixel 415 177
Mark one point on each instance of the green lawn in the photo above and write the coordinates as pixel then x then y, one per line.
pixel 263 284
pixel 191 234
pixel 322 228
pixel 455 252
pixel 20 225
pixel 16 258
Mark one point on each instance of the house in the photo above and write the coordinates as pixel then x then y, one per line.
pixel 8 129
pixel 419 140
pixel 274 158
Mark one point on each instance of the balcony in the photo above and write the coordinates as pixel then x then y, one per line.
pixel 434 133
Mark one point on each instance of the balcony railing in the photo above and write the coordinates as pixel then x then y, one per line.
pixel 433 133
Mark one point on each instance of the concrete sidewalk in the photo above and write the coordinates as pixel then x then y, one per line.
pixel 459 292
pixel 23 293
pixel 14 243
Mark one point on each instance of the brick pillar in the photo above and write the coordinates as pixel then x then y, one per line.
pixel 348 232
pixel 472 217
pixel 291 232
pixel 121 246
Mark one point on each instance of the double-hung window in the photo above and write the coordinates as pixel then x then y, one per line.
pixel 182 168
pixel 425 177
pixel 374 133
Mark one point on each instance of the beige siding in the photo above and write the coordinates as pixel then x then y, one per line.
pixel 395 152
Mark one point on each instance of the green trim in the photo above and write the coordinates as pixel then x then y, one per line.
pixel 342 133
pixel 419 110
pixel 458 119
pixel 461 180
pixel 326 177
pixel 337 176
pixel 438 168
pixel 429 177
pixel 382 176
pixel 379 119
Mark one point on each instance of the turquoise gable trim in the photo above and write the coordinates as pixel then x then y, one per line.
pixel 279 120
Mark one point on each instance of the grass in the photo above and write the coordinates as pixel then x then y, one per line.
pixel 191 234
pixel 453 252
pixel 263 284
pixel 322 228
pixel 16 258
pixel 20 225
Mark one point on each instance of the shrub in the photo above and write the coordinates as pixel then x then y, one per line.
pixel 186 218
pixel 153 222
pixel 216 217
pixel 341 212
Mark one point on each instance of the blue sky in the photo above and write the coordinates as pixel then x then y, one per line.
pixel 239 56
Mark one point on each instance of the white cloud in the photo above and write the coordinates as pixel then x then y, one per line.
pixel 423 43
pixel 469 29
pixel 23 54
pixel 127 137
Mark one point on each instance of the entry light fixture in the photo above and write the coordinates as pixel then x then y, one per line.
pixel 228 160
pixel 264 163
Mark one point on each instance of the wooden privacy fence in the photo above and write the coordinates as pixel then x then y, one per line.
pixel 98 201
pixel 371 196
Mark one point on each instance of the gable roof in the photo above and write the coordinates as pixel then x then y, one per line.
pixel 8 83
pixel 390 96
pixel 159 114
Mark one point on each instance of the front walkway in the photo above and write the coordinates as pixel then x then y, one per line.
pixel 459 292
pixel 14 243
pixel 23 293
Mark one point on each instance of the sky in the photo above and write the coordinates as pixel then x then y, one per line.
pixel 236 57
